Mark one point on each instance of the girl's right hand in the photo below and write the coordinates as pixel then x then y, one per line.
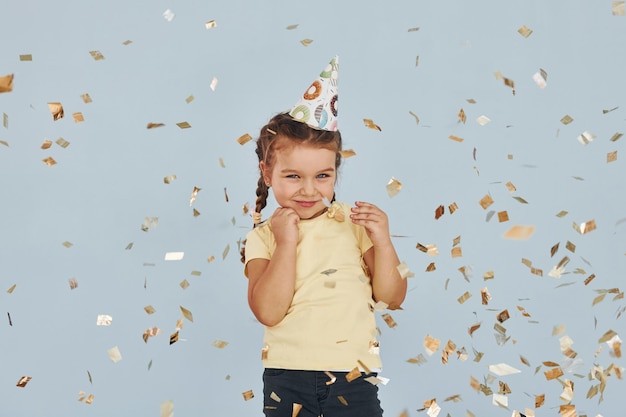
pixel 284 225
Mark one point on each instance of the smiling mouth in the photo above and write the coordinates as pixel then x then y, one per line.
pixel 306 204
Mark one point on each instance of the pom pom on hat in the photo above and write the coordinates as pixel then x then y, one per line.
pixel 317 107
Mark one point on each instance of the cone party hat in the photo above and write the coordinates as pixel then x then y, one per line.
pixel 317 107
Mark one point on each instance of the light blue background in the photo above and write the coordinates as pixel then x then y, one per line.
pixel 110 178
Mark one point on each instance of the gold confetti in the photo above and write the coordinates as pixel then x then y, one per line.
pixel 184 284
pixel 417 119
pixel 11 289
pixel 485 296
pixel 585 227
pixel 67 244
pixel 519 232
pixel 210 24
pixel 439 211
pixel 431 267
pixel 292 27
pixel 389 320
pixel 296 409
pixel 127 42
pixel 464 297
pixel 453 207
pixel 618 8
pixel 347 153
pixel 86 98
pixel 369 123
pixel 503 316
pixel 148 333
pixel 486 201
pixel 462 117
pixel 248 395
pixel 56 109
pixel 186 313
pixel 342 400
pixel 306 42
pixel 404 271
pixel 154 125
pixel 473 328
pixel 521 200
pixel 114 354
pixel 540 78
pixel 169 178
pixel 78 117
pixel 5 143
pixel 62 143
pixel 353 374
pixel 23 381
pixel 457 252
pixel 97 55
pixel 5 120
pixel 455 138
pixel 243 139
pixel 210 259
pixel 503 216
pixel 183 125
pixel 174 338
pixel 104 320
pixel 220 344
pixel 611 157
pixel 431 344
pixel 562 213
pixel 225 252
pixel 482 120
pixel 149 309
pixel 488 275
pixel 586 137
pixel 194 193
pixel 6 83
pixel 26 57
pixel 393 187
pixel 524 31
pixel 511 187
pixel 167 409
pixel 225 194
pixel 46 144
pixel 616 136
pixel 73 283
pixel 553 373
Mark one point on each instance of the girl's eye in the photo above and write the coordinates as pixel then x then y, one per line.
pixel 323 176
pixel 292 176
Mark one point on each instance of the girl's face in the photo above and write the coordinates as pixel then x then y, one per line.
pixel 302 177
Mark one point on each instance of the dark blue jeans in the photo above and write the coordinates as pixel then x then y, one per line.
pixel 283 387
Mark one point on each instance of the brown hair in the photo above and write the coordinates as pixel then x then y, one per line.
pixel 281 131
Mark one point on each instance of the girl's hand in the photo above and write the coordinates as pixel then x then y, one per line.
pixel 284 225
pixel 374 220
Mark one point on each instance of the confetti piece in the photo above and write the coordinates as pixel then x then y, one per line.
pixel 220 344
pixel 5 120
pixel 503 369
pixel 173 338
pixel 524 31
pixel 503 216
pixel 482 120
pixel 431 344
pixel 56 109
pixel 167 409
pixel 194 193
pixel 540 78
pixel 186 313
pixel 347 153
pixel 417 60
pixel 296 409
pixel 292 27
pixel 225 252
pixel 486 201
pixel 169 178
pixel 453 207
pixel 369 123
pixel 619 8
pixel 464 297
pixel 86 98
pixel 616 136
pixel 6 83
pixel 389 320
pixel 417 119
pixel 174 256
pixel 23 381
pixel 243 139
pixel 149 309
pixel 62 143
pixel 393 187
pixel 26 57
pixel 585 227
pixel 104 320
pixel 154 125
pixel 611 157
pixel 169 15
pixel 78 117
pixel 404 271
pixel 306 42
pixel 431 267
pixel 183 125
pixel 11 289
pixel 114 354
pixel 151 332
pixel 213 84
pixel 248 395
pixel 210 24
pixel 73 283
pixel 586 137
pixel 127 42
pixel 519 232
pixel 461 116
pixel 46 144
pixel 96 55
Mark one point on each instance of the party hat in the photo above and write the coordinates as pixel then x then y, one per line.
pixel 318 105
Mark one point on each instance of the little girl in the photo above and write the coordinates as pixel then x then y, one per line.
pixel 315 272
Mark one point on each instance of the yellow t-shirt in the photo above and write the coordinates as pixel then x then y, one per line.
pixel 330 324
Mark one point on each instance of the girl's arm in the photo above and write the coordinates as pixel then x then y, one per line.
pixel 271 283
pixel 381 259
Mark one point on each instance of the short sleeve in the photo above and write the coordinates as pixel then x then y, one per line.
pixel 259 244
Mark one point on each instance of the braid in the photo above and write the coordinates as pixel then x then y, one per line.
pixel 261 195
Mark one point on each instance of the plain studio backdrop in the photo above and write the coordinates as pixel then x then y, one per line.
pixel 502 113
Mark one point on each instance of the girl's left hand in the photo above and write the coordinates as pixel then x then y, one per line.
pixel 374 220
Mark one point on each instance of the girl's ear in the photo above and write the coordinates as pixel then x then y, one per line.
pixel 264 174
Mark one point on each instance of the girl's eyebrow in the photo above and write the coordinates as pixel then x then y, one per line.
pixel 286 170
